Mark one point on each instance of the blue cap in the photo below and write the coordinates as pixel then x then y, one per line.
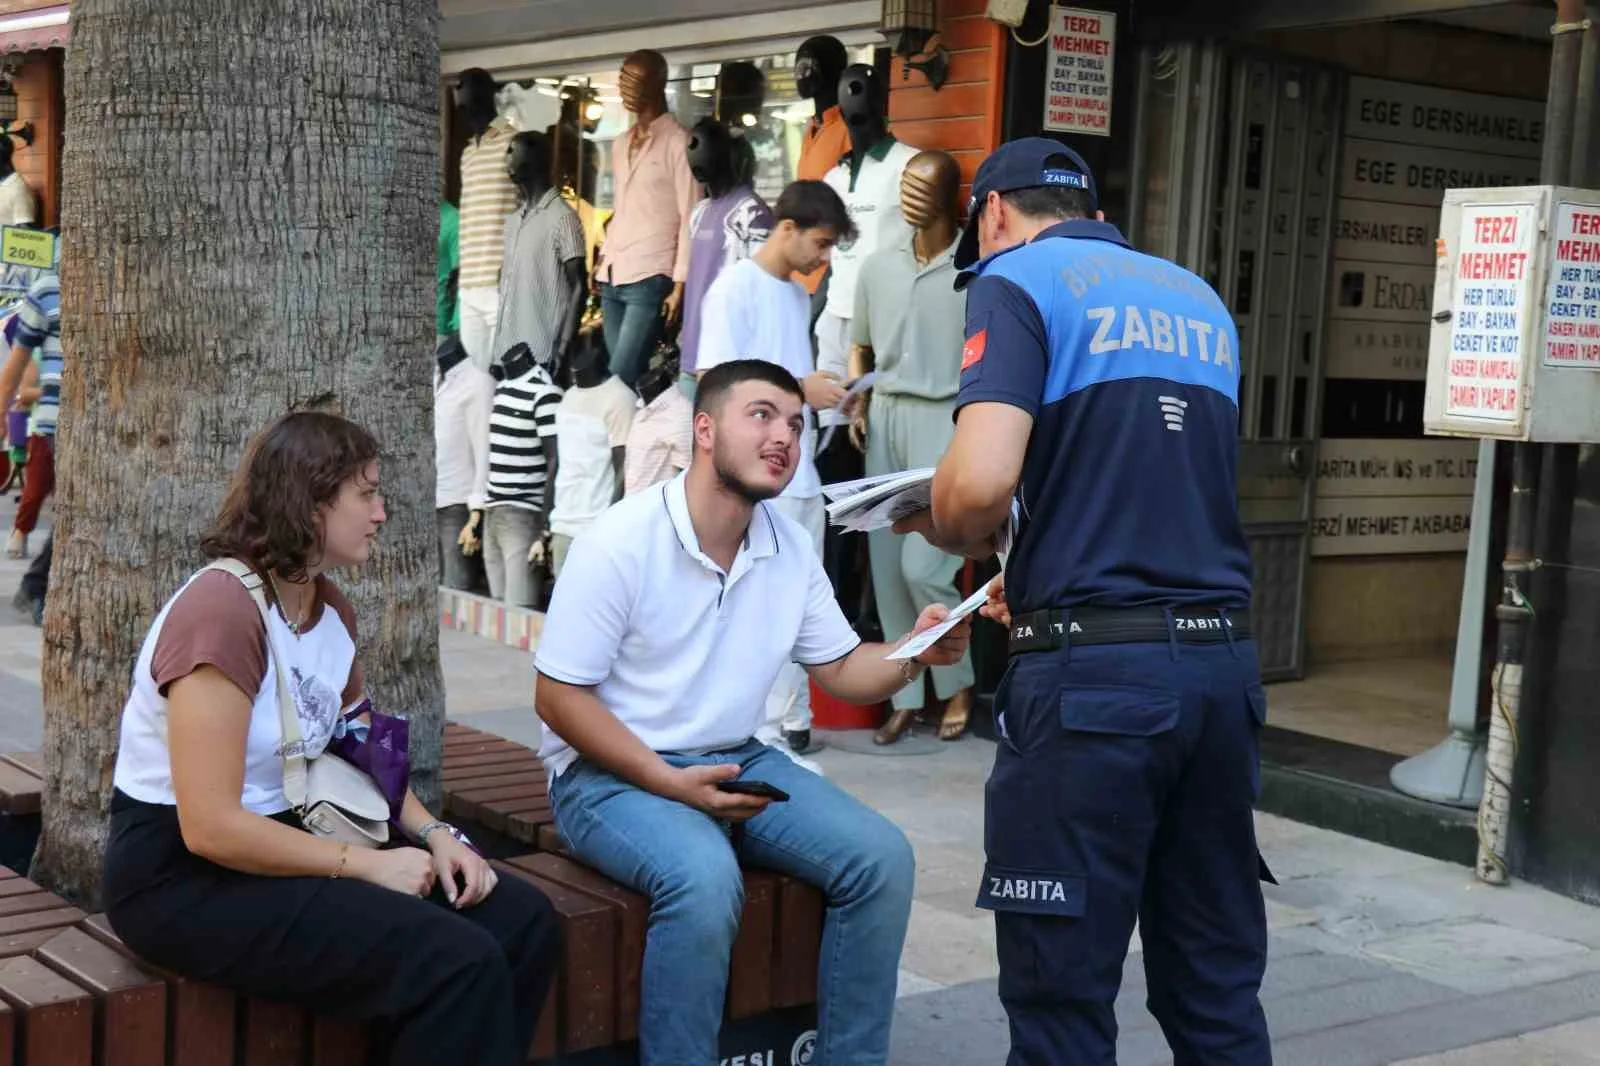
pixel 1028 163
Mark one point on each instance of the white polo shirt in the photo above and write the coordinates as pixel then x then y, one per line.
pixel 681 652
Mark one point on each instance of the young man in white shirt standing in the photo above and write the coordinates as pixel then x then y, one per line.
pixel 756 310
pixel 674 613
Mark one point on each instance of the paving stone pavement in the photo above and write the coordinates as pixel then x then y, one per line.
pixel 1378 957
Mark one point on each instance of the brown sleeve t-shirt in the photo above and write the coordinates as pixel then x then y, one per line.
pixel 215 622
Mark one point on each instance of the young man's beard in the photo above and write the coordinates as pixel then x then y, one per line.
pixel 733 483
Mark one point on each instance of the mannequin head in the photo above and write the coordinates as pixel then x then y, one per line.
pixel 817 66
pixel 864 103
pixel 711 157
pixel 930 191
pixel 528 162
pixel 475 92
pixel 741 90
pixel 514 363
pixel 658 379
pixel 809 220
pixel 589 360
pixel 643 83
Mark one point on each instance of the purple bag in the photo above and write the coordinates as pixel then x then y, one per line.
pixel 381 748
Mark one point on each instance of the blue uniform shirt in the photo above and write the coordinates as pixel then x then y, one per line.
pixel 1129 366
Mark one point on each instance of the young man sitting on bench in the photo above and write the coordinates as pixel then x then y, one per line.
pixel 671 618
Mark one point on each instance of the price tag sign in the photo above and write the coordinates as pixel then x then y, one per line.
pixel 27 247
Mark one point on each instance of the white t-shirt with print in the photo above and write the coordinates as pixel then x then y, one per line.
pixel 749 314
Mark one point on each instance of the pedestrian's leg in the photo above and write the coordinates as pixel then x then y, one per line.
pixel 865 867
pixel 682 861
pixel 516 542
pixel 1203 921
pixel 38 481
pixel 1080 774
pixel 36 579
pixel 494 557
pixel 454 571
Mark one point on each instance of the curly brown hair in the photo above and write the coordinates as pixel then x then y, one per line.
pixel 290 469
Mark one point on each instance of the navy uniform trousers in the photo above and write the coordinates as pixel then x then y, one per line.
pixel 1123 789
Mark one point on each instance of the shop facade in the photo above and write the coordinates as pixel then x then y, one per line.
pixel 33 39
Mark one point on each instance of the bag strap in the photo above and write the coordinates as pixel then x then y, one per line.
pixel 294 757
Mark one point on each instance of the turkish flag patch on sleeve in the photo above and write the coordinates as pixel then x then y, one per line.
pixel 972 351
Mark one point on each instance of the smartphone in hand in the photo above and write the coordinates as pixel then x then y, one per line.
pixel 741 787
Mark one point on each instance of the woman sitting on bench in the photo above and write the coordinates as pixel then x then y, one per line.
pixel 209 871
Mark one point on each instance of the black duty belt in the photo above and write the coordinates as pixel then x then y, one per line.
pixel 1054 628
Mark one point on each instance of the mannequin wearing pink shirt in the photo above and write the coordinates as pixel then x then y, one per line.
pixel 645 257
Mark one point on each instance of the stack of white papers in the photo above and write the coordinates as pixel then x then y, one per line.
pixel 879 502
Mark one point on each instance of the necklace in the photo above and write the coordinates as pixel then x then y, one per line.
pixel 294 624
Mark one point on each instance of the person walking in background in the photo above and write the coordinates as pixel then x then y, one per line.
pixel 756 310
pixel 38 340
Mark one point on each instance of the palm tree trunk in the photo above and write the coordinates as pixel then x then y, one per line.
pixel 250 207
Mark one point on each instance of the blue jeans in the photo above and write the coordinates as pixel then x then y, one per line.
pixel 685 862
pixel 630 315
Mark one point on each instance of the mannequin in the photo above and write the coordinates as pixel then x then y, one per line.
pixel 818 64
pixel 463 397
pixel 18 205
pixel 868 180
pixel 723 229
pixel 644 262
pixel 487 197
pixel 660 439
pixel 521 476
pixel 592 424
pixel 911 327
pixel 545 277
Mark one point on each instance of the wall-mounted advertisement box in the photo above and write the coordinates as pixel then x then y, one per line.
pixel 1514 347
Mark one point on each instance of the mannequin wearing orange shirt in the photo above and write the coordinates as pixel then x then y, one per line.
pixel 818 63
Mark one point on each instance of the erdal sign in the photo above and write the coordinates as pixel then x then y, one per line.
pixel 1078 71
pixel 1514 338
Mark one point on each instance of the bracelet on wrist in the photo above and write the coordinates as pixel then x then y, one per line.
pixel 344 854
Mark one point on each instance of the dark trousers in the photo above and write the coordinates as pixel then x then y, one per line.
pixel 1122 789
pixel 459 986
pixel 36 579
pixel 844 555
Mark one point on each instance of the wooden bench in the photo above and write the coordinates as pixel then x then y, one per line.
pixel 71 994
pixel 501 786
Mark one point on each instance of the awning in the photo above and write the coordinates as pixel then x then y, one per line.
pixel 45 27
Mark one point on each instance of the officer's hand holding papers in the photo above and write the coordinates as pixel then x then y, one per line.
pixel 894 501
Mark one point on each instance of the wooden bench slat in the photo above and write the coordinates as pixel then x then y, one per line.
pixel 498 795
pixel 28 902
pixel 516 758
pixel 588 976
pixel 549 839
pixel 133 998
pixel 337 1042
pixel 274 1034
pixel 31 761
pixel 750 964
pixel 19 789
pixel 491 777
pixel 59 918
pixel 202 1019
pixel 633 918
pixel 526 827
pixel 55 1017
pixel 798 944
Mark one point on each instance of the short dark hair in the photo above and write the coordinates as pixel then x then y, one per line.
pixel 268 517
pixel 1052 201
pixel 715 383
pixel 814 204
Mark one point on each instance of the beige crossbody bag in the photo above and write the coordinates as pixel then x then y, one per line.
pixel 332 798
